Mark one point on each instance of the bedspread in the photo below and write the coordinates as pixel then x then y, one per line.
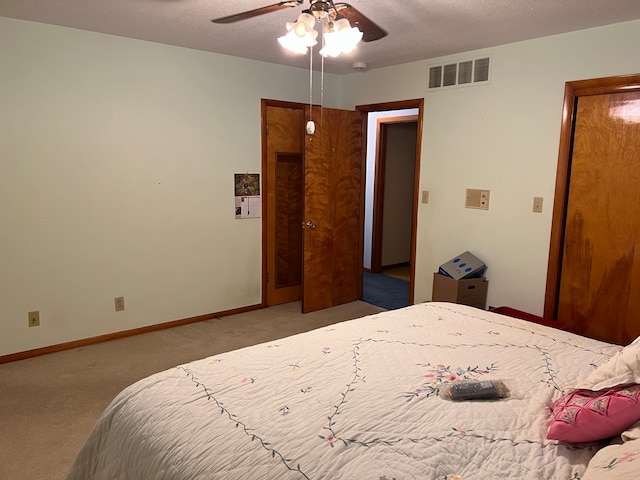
pixel 356 400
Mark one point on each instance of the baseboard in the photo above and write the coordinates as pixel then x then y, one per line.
pixel 12 357
pixel 396 265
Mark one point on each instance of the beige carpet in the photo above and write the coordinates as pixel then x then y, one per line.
pixel 48 404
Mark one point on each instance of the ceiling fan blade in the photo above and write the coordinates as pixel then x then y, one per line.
pixel 258 11
pixel 370 30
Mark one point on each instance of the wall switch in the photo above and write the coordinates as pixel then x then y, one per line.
pixel 119 303
pixel 425 196
pixel 34 319
pixel 537 204
pixel 476 198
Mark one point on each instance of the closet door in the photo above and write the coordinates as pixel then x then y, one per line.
pixel 284 199
pixel 599 294
pixel 332 239
pixel 312 225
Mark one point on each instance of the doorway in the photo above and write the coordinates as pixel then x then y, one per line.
pixel 593 278
pixel 394 136
pixel 390 201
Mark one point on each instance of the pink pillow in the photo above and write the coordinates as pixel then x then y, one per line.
pixel 586 416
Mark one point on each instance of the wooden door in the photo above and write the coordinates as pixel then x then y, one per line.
pixel 332 265
pixel 599 293
pixel 284 197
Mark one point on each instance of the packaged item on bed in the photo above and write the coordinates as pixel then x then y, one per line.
pixel 475 390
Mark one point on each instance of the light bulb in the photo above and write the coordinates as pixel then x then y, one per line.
pixel 300 34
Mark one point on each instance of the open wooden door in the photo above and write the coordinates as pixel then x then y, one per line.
pixel 332 239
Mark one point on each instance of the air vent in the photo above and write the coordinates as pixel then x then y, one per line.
pixel 460 74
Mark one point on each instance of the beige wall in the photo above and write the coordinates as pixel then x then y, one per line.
pixel 502 137
pixel 116 179
pixel 398 193
pixel 117 158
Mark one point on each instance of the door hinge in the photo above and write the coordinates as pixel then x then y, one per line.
pixel 267 129
pixel 267 277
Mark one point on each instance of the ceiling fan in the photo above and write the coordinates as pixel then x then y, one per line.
pixel 370 30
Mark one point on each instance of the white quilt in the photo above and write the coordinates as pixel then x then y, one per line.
pixel 357 400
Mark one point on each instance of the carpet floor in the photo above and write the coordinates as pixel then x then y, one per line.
pixel 49 404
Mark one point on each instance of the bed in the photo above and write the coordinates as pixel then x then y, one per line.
pixel 357 400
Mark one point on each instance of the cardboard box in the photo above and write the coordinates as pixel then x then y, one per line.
pixel 467 291
pixel 464 265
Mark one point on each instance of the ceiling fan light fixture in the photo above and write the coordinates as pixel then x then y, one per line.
pixel 340 37
pixel 331 47
pixel 320 8
pixel 300 34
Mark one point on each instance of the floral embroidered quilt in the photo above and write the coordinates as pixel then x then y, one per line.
pixel 356 400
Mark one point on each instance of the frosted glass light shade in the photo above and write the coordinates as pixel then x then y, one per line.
pixel 340 38
pixel 300 34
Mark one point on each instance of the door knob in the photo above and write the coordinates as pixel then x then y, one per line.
pixel 310 225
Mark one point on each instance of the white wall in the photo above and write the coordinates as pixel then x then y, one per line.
pixel 503 137
pixel 116 179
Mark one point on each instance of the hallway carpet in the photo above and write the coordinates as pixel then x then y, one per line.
pixel 385 291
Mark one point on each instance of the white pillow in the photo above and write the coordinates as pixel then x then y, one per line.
pixel 621 369
pixel 615 462
pixel 632 433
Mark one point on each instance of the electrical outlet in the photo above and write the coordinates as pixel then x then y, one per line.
pixel 484 199
pixel 119 303
pixel 34 319
pixel 537 204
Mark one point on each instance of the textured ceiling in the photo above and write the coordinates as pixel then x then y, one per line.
pixel 417 29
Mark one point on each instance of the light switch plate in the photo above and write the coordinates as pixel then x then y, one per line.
pixel 476 198
pixel 425 196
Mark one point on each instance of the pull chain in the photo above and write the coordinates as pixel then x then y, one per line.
pixel 310 82
pixel 322 88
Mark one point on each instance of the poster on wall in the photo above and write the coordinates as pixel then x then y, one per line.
pixel 247 195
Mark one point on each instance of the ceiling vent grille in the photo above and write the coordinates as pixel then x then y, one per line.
pixel 460 74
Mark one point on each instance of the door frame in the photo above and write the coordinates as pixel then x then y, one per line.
pixel 379 185
pixel 397 105
pixel 573 90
